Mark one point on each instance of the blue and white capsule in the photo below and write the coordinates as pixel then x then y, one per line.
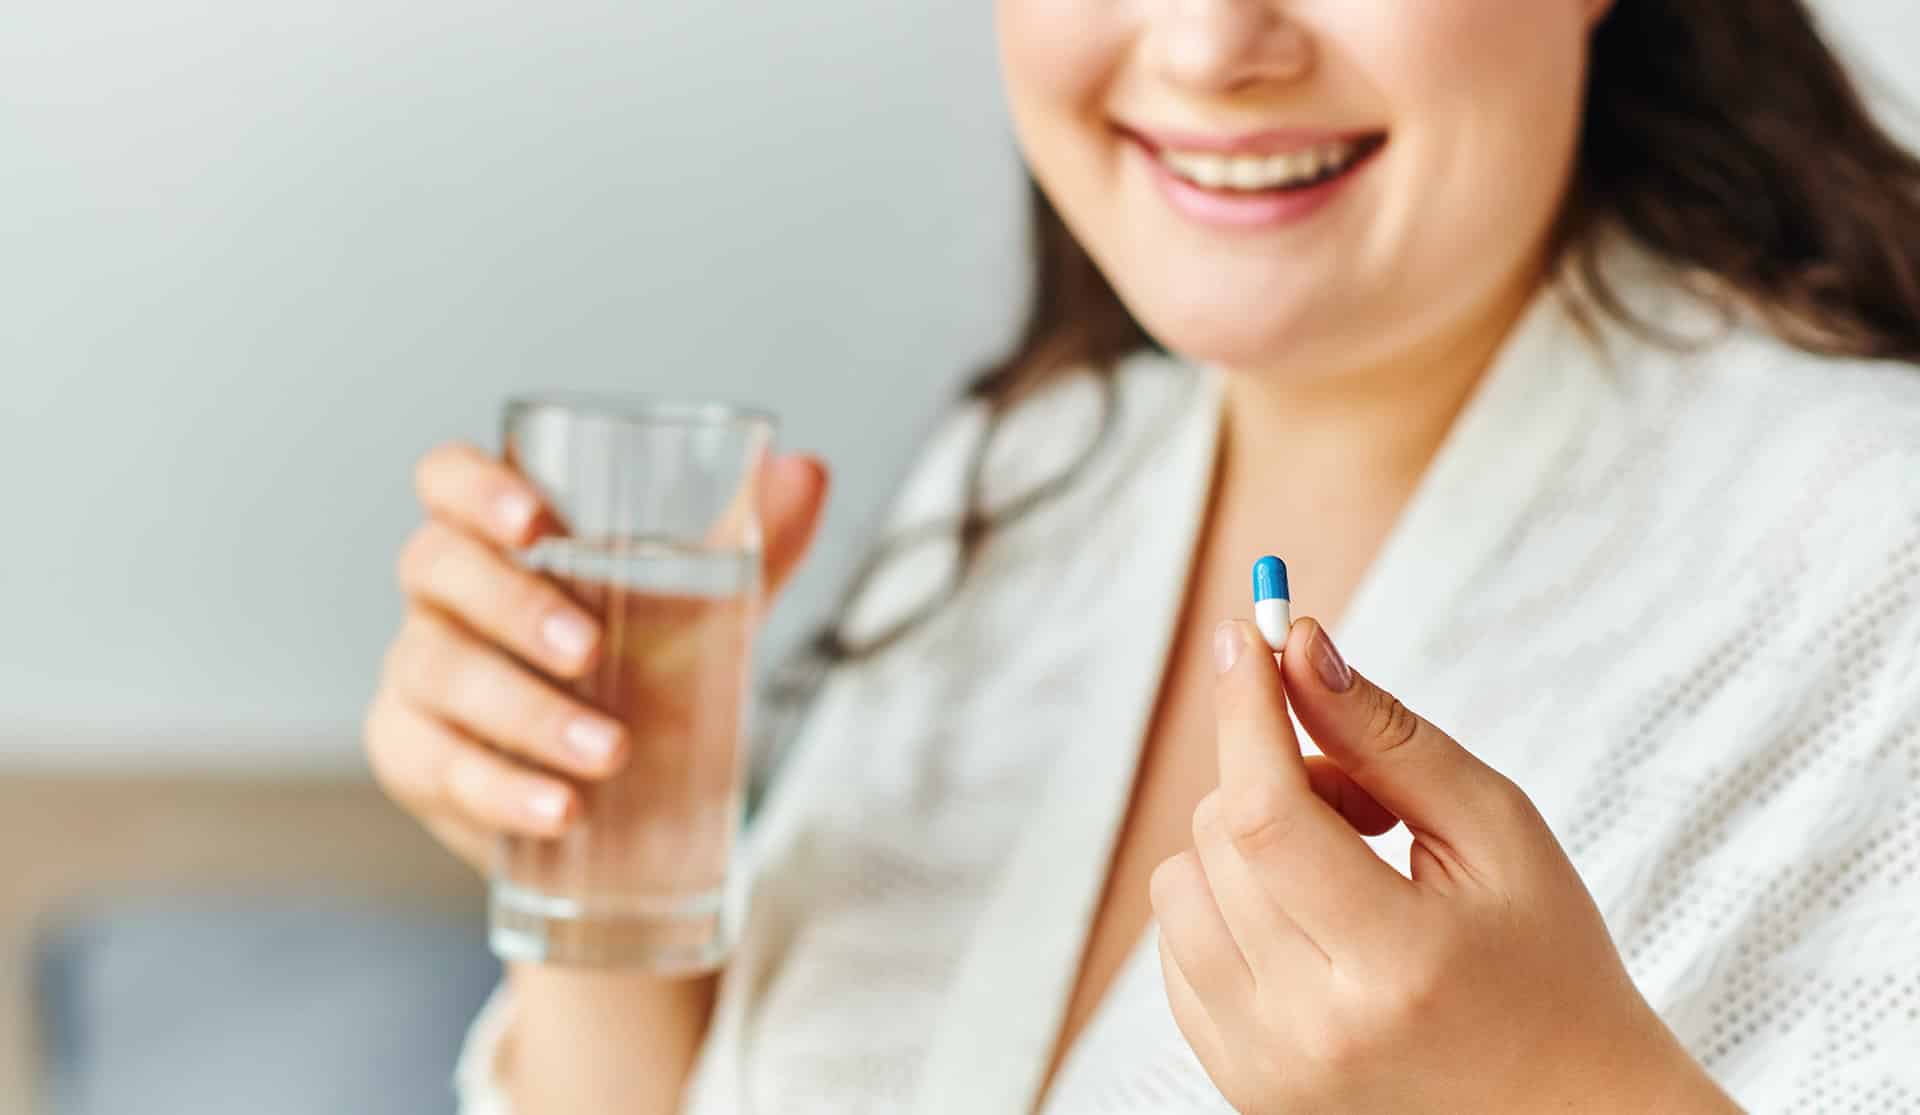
pixel 1272 607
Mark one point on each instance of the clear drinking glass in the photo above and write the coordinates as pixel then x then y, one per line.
pixel 659 538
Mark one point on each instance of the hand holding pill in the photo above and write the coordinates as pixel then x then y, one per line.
pixel 1308 975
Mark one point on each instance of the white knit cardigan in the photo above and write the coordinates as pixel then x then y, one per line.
pixel 1674 595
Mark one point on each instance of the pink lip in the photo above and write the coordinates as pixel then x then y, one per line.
pixel 1271 142
pixel 1236 210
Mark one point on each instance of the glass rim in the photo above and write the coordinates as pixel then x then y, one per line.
pixel 640 409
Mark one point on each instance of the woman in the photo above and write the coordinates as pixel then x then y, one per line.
pixel 1560 346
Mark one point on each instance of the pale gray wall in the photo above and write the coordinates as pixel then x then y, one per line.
pixel 254 257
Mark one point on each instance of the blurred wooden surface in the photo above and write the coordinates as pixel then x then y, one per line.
pixel 70 838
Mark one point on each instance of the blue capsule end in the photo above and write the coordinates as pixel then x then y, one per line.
pixel 1270 579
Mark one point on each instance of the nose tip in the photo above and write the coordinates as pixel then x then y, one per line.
pixel 1232 44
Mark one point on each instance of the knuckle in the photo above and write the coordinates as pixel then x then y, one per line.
pixel 1206 818
pixel 1374 1022
pixel 428 469
pixel 417 635
pixel 464 783
pixel 399 667
pixel 1258 815
pixel 414 568
pixel 427 659
pixel 1337 1047
pixel 1172 884
pixel 373 734
pixel 1390 723
pixel 386 744
pixel 1511 806
pixel 1406 1007
pixel 436 463
pixel 390 662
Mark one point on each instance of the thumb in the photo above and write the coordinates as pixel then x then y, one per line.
pixel 793 493
pixel 1464 813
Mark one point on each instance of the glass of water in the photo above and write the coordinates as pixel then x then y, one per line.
pixel 659 537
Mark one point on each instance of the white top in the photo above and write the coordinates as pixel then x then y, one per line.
pixel 1676 597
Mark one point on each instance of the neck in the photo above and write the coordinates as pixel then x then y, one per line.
pixel 1369 428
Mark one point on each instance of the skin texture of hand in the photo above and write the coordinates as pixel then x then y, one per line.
pixel 1309 976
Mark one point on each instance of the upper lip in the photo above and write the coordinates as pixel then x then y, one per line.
pixel 1273 141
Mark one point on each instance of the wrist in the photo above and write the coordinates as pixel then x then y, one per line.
pixel 1684 1087
pixel 1666 1079
pixel 584 1003
pixel 602 1039
pixel 1635 1066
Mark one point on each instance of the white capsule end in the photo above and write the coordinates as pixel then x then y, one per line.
pixel 1273 618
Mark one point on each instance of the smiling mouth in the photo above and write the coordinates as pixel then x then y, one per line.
pixel 1282 172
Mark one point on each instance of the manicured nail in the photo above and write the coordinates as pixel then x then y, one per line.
pixel 549 807
pixel 570 635
pixel 593 739
pixel 1228 642
pixel 515 510
pixel 1334 672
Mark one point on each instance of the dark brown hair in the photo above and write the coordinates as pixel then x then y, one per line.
pixel 1724 136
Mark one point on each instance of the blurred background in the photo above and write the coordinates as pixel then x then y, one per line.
pixel 256 258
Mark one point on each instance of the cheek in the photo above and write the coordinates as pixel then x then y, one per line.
pixel 1055 56
pixel 1490 92
pixel 1059 60
pixel 1498 67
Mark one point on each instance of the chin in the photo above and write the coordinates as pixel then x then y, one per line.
pixel 1233 334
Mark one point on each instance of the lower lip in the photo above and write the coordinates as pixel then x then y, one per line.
pixel 1237 209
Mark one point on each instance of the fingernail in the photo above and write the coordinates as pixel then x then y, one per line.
pixel 548 806
pixel 593 739
pixel 570 635
pixel 1334 672
pixel 1228 642
pixel 514 510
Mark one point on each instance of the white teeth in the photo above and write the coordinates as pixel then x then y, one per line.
pixel 1208 170
pixel 1245 172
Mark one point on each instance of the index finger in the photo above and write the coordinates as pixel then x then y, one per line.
pixel 468 486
